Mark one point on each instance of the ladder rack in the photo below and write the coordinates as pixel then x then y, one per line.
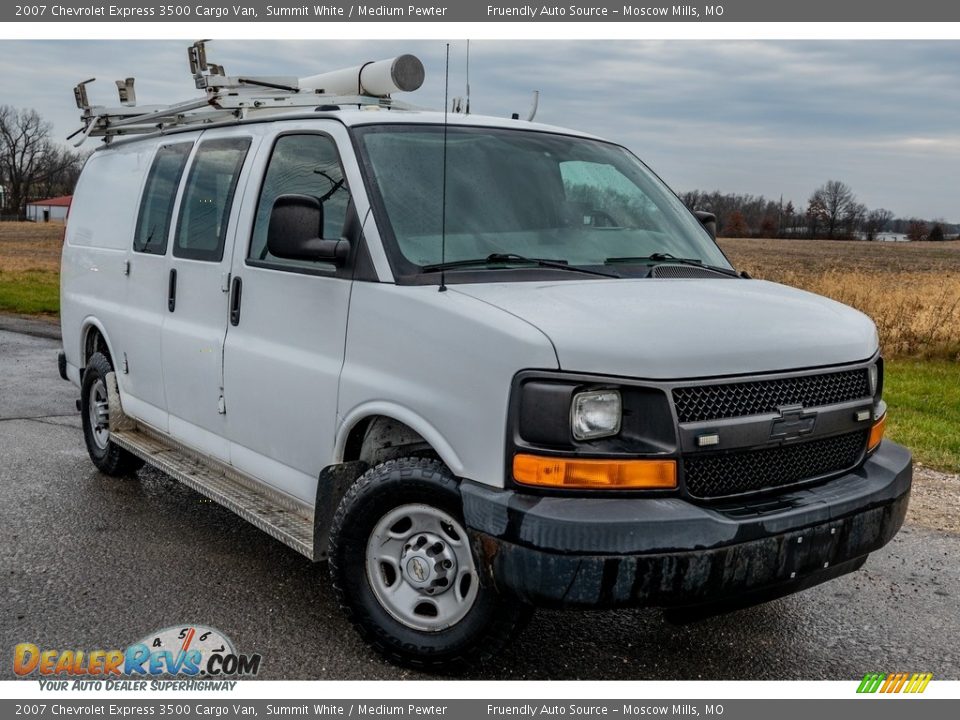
pixel 225 99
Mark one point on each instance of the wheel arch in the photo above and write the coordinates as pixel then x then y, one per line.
pixel 396 426
pixel 402 432
pixel 94 338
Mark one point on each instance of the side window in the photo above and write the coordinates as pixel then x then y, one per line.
pixel 301 165
pixel 208 197
pixel 156 205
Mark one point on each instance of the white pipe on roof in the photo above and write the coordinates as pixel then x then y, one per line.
pixel 403 73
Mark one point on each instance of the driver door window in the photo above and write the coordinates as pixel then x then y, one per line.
pixel 301 165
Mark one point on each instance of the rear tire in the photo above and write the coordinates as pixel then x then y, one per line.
pixel 405 575
pixel 109 457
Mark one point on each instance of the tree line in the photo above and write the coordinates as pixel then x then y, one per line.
pixel 33 165
pixel 831 212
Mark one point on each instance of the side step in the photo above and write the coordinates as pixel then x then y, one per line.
pixel 280 516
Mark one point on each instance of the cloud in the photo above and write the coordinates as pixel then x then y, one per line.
pixel 764 117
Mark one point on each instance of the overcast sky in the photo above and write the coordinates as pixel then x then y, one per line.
pixel 760 117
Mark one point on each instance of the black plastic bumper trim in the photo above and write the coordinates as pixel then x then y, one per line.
pixel 629 525
pixel 599 552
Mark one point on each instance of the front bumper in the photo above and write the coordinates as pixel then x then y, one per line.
pixel 612 552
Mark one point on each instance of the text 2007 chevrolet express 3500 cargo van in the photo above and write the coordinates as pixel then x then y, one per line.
pixel 479 365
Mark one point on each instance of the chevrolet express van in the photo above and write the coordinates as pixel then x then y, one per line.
pixel 479 365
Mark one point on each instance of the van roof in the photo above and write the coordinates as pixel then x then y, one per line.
pixel 358 117
pixel 354 117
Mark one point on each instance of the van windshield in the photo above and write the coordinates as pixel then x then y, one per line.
pixel 523 193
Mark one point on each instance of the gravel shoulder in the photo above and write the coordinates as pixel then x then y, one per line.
pixel 935 500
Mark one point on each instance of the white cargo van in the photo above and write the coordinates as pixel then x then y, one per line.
pixel 479 365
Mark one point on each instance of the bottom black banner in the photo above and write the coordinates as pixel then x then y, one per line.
pixel 876 707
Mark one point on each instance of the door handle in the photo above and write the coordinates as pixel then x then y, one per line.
pixel 172 291
pixel 235 295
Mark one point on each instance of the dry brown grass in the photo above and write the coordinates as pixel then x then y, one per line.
pixel 26 247
pixel 911 290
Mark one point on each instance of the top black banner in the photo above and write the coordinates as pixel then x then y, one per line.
pixel 483 11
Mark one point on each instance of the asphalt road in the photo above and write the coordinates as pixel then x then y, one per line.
pixel 93 562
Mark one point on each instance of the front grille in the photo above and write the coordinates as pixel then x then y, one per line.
pixel 738 472
pixel 715 402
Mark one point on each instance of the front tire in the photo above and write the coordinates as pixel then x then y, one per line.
pixel 109 457
pixel 405 575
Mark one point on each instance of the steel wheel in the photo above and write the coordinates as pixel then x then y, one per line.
pixel 109 458
pixel 403 571
pixel 420 567
pixel 98 408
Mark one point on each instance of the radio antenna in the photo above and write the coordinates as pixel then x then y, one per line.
pixel 468 78
pixel 443 191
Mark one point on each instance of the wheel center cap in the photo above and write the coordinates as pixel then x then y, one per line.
pixel 428 564
pixel 419 571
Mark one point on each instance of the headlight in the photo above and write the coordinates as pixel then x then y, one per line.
pixel 874 376
pixel 595 414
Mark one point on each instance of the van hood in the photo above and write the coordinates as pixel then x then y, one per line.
pixel 665 329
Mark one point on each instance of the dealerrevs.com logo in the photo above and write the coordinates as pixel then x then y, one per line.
pixel 203 655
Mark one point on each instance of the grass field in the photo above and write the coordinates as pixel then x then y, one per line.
pixel 911 290
pixel 924 415
pixel 30 268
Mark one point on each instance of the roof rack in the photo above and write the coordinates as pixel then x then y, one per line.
pixel 229 98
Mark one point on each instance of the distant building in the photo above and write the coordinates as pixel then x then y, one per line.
pixel 49 209
pixel 885 236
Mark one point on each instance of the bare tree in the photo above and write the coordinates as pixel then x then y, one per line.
pixel 876 222
pixel 917 230
pixel 789 218
pixel 837 200
pixel 736 226
pixel 30 162
pixel 853 219
pixel 816 214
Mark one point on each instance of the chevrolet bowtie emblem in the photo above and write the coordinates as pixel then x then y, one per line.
pixel 793 422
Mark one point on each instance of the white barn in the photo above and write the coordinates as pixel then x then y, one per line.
pixel 49 209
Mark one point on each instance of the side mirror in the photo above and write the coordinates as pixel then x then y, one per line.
pixel 708 220
pixel 296 229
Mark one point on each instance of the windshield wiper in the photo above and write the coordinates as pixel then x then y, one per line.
pixel 667 257
pixel 514 259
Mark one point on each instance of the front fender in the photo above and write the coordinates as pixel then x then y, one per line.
pixel 409 418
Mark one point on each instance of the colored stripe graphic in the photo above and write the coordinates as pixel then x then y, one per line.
pixel 894 683
pixel 871 682
pixel 919 682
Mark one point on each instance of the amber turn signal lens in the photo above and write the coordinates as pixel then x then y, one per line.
pixel 573 473
pixel 876 432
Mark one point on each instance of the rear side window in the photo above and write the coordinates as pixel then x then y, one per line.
pixel 208 197
pixel 156 205
pixel 301 165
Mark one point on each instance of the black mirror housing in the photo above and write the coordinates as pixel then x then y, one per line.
pixel 708 220
pixel 296 229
